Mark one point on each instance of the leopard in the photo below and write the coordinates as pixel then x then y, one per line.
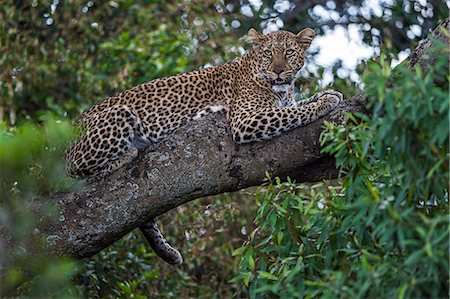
pixel 255 92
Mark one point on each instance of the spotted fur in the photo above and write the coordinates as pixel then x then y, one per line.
pixel 159 245
pixel 255 91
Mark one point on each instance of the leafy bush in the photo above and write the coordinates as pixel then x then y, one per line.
pixel 384 232
pixel 31 168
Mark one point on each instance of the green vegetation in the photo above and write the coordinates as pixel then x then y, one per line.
pixel 379 231
pixel 383 231
pixel 63 56
pixel 31 167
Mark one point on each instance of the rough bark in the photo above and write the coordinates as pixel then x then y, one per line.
pixel 197 160
pixel 425 54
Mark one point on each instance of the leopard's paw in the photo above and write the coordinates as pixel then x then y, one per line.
pixel 331 97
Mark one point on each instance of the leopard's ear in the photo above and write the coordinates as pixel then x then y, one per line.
pixel 306 36
pixel 254 37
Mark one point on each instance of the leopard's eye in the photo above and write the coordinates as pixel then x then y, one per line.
pixel 289 51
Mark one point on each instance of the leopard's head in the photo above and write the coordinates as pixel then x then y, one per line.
pixel 279 56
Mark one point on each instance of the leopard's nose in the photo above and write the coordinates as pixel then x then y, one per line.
pixel 277 69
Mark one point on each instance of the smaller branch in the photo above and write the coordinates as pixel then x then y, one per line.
pixel 423 54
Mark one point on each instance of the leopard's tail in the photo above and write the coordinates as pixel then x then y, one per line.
pixel 159 245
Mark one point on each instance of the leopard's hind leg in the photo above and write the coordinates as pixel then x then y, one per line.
pixel 106 145
pixel 123 160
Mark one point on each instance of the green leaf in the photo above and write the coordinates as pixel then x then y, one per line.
pixel 267 275
pixel 251 262
pixel 280 208
pixel 239 251
pixel 280 235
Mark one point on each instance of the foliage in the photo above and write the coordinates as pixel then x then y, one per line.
pixel 382 22
pixel 31 167
pixel 384 231
pixel 63 56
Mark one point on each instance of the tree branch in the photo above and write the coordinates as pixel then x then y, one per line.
pixel 197 160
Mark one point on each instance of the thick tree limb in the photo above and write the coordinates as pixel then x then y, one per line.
pixel 197 160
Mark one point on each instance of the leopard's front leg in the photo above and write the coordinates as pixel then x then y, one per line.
pixel 320 95
pixel 267 122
